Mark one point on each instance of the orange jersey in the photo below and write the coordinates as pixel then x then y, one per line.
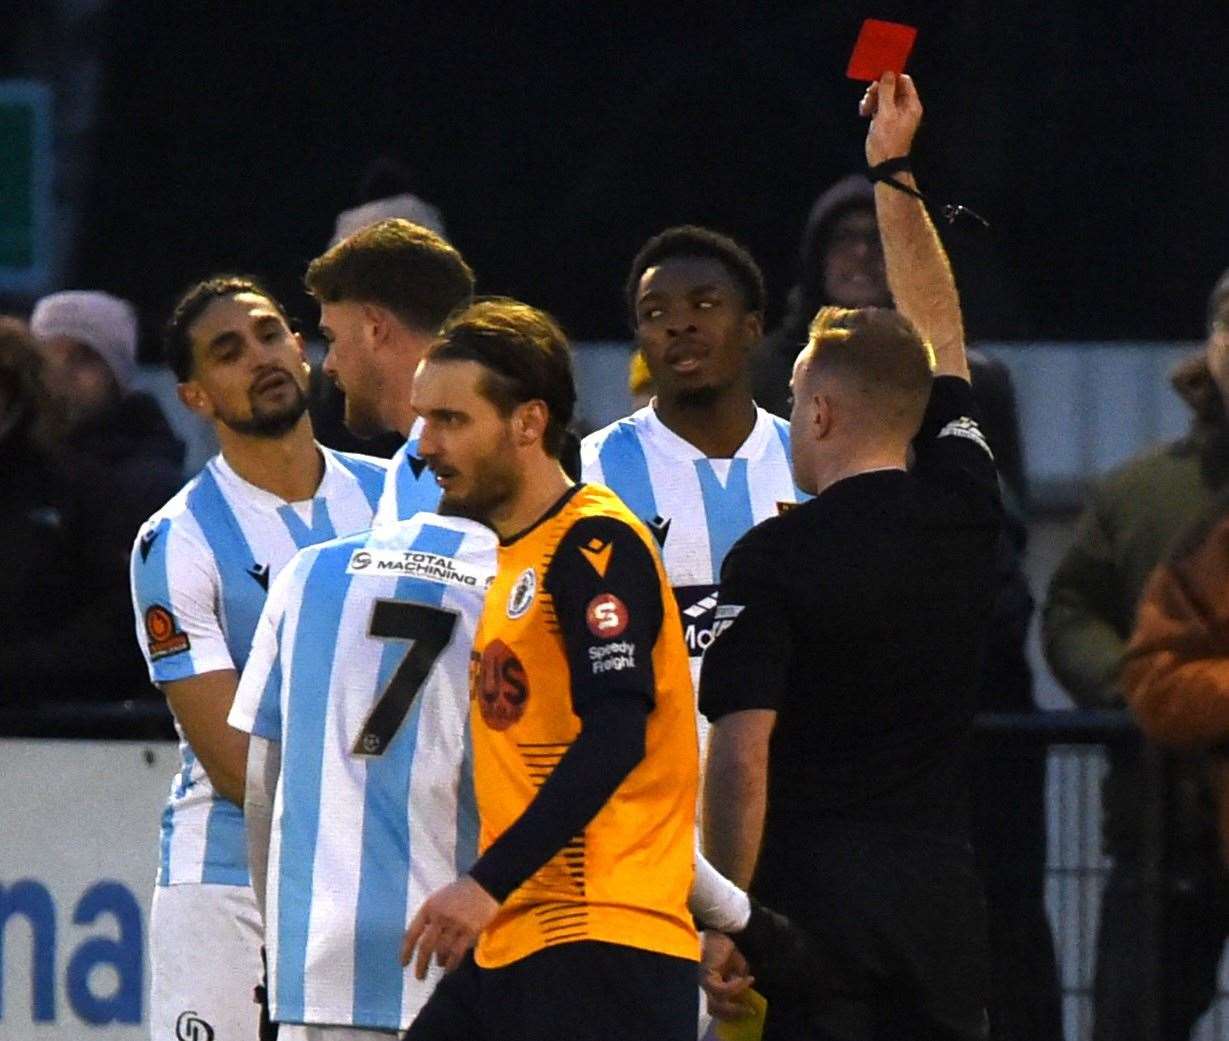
pixel 580 609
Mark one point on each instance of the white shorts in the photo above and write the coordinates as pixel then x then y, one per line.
pixel 204 953
pixel 306 1032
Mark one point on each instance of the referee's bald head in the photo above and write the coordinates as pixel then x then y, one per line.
pixel 877 355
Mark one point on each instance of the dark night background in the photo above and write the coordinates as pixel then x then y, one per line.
pixel 555 138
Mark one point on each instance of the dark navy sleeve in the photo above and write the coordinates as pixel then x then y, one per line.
pixel 607 599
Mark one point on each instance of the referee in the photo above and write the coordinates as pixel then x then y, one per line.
pixel 841 690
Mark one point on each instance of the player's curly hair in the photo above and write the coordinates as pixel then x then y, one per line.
pixel 690 240
pixel 177 338
pixel 526 357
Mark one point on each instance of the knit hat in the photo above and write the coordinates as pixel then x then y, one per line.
pixel 99 320
pixel 407 206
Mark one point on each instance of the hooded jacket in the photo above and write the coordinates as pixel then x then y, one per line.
pixel 772 362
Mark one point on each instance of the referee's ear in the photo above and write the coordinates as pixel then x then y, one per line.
pixel 822 419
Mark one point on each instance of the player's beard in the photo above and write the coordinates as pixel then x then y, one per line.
pixel 362 420
pixel 698 397
pixel 494 482
pixel 273 422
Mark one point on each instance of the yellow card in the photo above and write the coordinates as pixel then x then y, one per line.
pixel 749 1029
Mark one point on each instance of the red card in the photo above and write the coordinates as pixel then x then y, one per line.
pixel 881 47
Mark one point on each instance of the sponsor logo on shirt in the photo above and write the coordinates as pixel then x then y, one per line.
pixel 969 430
pixel 606 616
pixel 701 621
pixel 612 657
pixel 499 684
pixel 190 1027
pixel 522 593
pixel 660 527
pixel 597 553
pixel 163 635
pixel 147 541
pixel 416 563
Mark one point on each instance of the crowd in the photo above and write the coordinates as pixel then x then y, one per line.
pixel 439 710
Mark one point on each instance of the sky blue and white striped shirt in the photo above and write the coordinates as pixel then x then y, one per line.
pixel 409 487
pixel 360 669
pixel 201 568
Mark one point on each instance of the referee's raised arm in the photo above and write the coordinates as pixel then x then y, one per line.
pixel 918 271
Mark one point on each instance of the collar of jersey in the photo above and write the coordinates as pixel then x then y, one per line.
pixel 672 444
pixel 264 499
pixel 560 503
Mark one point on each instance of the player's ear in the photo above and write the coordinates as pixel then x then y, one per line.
pixel 377 323
pixel 529 422
pixel 753 326
pixel 302 347
pixel 195 398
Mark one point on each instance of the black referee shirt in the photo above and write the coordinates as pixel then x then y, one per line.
pixel 860 617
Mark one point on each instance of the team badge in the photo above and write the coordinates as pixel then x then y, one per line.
pixel 522 593
pixel 502 688
pixel 606 616
pixel 164 637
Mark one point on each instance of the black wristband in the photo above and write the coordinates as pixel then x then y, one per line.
pixel 882 171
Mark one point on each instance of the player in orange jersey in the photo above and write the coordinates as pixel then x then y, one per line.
pixel 585 750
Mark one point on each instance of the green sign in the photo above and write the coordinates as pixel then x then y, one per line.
pixel 25 185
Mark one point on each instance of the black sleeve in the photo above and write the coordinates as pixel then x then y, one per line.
pixel 950 447
pixel 607 598
pixel 745 665
pixel 610 745
pixel 995 395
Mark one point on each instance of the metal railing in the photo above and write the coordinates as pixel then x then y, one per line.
pixel 1074 744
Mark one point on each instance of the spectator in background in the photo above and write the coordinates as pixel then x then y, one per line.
pixel 841 264
pixel 1176 673
pixel 84 460
pixel 1133 517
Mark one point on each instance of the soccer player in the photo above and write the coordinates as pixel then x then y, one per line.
pixel 585 752
pixel 842 693
pixel 700 464
pixel 200 570
pixel 384 292
pixel 356 697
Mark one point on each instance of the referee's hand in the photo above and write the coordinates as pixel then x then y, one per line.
pixel 447 925
pixel 895 110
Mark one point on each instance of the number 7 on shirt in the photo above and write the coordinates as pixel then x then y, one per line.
pixel 430 629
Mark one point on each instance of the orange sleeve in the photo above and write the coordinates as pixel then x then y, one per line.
pixel 1176 672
